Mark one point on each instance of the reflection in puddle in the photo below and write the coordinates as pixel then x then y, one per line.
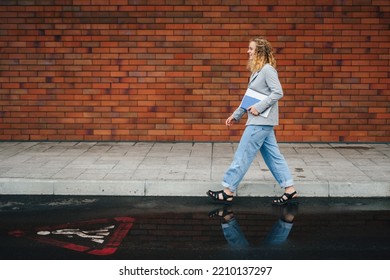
pixel 235 236
pixel 231 234
pixel 171 228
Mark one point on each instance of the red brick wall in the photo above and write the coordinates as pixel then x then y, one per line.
pixel 173 70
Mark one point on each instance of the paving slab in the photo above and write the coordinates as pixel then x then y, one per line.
pixel 187 169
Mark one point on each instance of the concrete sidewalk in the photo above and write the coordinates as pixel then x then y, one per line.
pixel 187 169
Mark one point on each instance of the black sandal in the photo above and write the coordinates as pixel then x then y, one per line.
pixel 221 213
pixel 285 198
pixel 227 199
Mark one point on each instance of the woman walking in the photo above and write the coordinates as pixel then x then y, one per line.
pixel 259 132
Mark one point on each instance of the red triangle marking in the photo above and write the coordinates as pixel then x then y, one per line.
pixel 122 227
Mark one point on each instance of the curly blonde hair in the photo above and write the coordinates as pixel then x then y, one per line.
pixel 264 54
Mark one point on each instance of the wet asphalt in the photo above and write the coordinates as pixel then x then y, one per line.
pixel 192 228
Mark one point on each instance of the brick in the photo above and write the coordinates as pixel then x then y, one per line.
pixel 175 72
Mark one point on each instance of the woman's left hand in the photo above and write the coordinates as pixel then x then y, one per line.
pixel 253 111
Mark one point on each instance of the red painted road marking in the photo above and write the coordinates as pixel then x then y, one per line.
pixel 96 237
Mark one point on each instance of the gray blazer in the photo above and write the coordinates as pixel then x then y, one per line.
pixel 267 82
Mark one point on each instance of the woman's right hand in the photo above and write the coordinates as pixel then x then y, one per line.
pixel 230 121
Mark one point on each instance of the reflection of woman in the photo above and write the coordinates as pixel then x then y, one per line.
pixel 236 238
pixel 282 228
pixel 259 132
pixel 230 228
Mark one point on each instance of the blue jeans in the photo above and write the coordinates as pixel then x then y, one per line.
pixel 257 138
pixel 236 238
pixel 279 233
pixel 233 234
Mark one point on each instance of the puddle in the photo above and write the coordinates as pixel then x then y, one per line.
pixel 192 228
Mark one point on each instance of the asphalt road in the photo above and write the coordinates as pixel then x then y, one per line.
pixel 186 228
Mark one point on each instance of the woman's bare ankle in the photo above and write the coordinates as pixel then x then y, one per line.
pixel 289 189
pixel 228 191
